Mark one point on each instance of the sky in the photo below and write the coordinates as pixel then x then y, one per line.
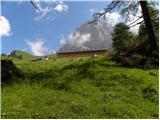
pixel 41 31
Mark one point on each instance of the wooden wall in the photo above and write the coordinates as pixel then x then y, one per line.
pixel 82 53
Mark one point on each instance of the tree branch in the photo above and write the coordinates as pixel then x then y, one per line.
pixel 135 21
pixel 106 10
pixel 35 6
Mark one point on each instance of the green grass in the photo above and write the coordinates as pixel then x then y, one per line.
pixel 25 56
pixel 81 88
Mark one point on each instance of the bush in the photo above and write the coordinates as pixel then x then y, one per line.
pixel 8 71
pixel 135 60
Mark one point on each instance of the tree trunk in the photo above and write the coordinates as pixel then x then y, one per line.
pixel 149 27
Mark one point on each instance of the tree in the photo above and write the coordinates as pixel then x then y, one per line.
pixel 149 28
pixel 131 7
pixel 142 33
pixel 134 51
pixel 122 38
pixel 143 42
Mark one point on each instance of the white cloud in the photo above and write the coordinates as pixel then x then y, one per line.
pixel 134 18
pixel 84 48
pixel 79 39
pixel 61 7
pixel 5 29
pixel 135 29
pixel 43 13
pixel 62 40
pixel 112 18
pixel 19 2
pixel 52 52
pixel 76 40
pixel 45 8
pixel 37 47
pixel 89 36
pixel 92 11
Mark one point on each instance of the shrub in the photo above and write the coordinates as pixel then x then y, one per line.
pixel 8 71
pixel 135 60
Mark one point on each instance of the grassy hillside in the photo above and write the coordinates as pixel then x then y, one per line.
pixel 81 88
pixel 25 56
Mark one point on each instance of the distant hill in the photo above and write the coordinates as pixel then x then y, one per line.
pixel 25 56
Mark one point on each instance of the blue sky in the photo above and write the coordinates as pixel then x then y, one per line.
pixel 31 30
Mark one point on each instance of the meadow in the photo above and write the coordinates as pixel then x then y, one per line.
pixel 81 88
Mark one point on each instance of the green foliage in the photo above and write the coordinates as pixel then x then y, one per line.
pixel 81 88
pixel 135 60
pixel 135 52
pixel 123 39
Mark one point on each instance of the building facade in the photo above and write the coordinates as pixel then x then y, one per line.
pixel 88 53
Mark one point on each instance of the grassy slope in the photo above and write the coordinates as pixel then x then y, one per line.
pixel 81 88
pixel 25 56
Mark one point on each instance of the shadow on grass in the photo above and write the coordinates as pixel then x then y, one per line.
pixel 61 77
pixel 9 72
